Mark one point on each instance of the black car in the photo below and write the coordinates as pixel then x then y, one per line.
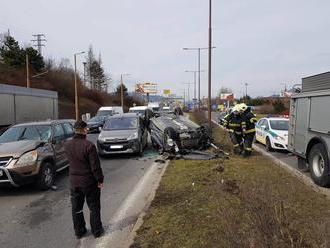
pixel 176 133
pixel 125 133
pixel 96 123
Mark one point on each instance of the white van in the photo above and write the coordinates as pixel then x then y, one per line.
pixel 140 110
pixel 109 111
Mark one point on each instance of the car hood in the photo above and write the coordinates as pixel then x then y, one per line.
pixel 117 134
pixel 17 148
pixel 93 123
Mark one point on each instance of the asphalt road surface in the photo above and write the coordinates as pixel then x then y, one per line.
pixel 30 218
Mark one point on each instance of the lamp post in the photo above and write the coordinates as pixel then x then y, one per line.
pixel 199 49
pixel 246 92
pixel 122 89
pixel 76 85
pixel 210 64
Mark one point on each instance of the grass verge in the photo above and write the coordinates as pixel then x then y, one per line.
pixel 233 203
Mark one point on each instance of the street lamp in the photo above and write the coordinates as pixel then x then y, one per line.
pixel 122 89
pixel 246 92
pixel 76 85
pixel 199 49
pixel 210 63
pixel 195 72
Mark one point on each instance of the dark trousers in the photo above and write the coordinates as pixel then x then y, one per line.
pixel 237 141
pixel 92 195
pixel 248 141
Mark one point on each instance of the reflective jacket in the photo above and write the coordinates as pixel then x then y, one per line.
pixel 232 122
pixel 248 122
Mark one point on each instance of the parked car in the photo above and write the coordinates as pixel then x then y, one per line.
pixel 273 132
pixel 96 123
pixel 34 152
pixel 125 133
pixel 109 111
pixel 176 133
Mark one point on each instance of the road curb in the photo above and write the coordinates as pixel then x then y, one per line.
pixel 294 172
pixel 129 217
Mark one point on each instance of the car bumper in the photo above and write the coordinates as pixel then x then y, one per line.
pixel 279 145
pixel 118 148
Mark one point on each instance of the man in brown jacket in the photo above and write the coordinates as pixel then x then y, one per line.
pixel 86 179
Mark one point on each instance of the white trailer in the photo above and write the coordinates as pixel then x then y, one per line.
pixel 309 129
pixel 20 104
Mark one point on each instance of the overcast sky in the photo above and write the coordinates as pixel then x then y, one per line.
pixel 264 43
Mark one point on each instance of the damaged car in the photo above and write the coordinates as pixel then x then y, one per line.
pixel 177 134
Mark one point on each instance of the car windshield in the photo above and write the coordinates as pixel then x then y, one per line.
pixel 121 123
pixel 138 111
pixel 26 133
pixel 96 119
pixel 282 125
pixel 104 112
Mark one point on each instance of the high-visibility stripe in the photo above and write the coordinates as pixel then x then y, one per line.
pixel 234 125
pixel 253 120
pixel 243 123
pixel 236 145
pixel 248 149
pixel 250 131
pixel 238 132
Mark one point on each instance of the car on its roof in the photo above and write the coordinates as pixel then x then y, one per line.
pixel 273 132
pixel 34 152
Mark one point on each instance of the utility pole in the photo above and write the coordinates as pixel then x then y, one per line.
pixel 85 83
pixel 39 39
pixel 122 89
pixel 246 92
pixel 210 64
pixel 76 100
pixel 28 82
pixel 188 98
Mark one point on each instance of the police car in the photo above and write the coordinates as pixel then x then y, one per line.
pixel 273 132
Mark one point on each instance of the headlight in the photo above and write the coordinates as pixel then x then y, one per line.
pixel 279 138
pixel 133 136
pixel 28 158
pixel 101 138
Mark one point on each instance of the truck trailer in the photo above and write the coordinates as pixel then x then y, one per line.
pixel 20 104
pixel 309 128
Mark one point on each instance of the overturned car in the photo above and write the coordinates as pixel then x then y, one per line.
pixel 175 133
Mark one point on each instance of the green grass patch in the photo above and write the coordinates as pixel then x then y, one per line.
pixel 233 203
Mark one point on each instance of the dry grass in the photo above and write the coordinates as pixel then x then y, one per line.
pixel 234 203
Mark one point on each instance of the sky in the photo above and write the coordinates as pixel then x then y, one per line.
pixel 265 44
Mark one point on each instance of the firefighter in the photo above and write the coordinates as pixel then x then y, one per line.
pixel 232 122
pixel 248 128
pixel 86 181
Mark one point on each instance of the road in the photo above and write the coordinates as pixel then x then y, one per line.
pixel 30 218
pixel 284 156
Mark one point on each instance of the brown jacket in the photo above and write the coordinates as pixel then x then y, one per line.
pixel 85 168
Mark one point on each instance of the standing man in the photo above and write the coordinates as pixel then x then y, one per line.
pixel 232 122
pixel 248 127
pixel 86 179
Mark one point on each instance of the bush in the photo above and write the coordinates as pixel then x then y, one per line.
pixel 279 106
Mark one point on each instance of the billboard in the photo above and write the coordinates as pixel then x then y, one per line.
pixel 166 92
pixel 146 88
pixel 227 96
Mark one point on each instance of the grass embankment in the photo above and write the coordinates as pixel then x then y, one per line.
pixel 233 203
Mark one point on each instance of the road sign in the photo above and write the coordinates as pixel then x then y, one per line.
pixel 166 92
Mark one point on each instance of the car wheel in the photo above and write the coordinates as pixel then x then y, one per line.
pixel 319 165
pixel 269 147
pixel 46 176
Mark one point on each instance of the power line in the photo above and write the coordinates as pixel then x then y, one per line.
pixel 39 42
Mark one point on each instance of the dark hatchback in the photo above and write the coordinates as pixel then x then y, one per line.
pixel 96 123
pixel 125 133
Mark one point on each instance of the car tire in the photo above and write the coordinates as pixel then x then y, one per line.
pixel 46 176
pixel 319 165
pixel 269 147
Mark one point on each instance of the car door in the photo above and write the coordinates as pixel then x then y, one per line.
pixel 259 130
pixel 58 140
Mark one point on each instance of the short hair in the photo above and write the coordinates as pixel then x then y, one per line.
pixel 80 125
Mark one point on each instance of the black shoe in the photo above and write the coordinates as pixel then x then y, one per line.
pixel 99 233
pixel 82 234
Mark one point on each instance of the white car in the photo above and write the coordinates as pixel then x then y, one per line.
pixel 273 132
pixel 140 110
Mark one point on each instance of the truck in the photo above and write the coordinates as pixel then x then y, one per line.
pixel 309 127
pixel 20 104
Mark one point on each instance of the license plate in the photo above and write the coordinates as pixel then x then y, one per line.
pixel 116 147
pixel 1 173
